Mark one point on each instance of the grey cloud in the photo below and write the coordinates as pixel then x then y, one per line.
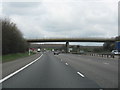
pixel 21 4
pixel 28 8
pixel 73 19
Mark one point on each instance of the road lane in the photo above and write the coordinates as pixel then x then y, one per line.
pixel 49 72
pixel 103 71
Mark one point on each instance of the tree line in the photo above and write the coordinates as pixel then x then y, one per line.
pixel 12 38
pixel 107 46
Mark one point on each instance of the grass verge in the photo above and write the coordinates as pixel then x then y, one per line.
pixel 11 57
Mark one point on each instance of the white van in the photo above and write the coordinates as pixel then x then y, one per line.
pixel 115 52
pixel 38 50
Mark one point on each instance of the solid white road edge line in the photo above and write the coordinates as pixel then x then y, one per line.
pixel 7 77
pixel 80 74
pixel 106 63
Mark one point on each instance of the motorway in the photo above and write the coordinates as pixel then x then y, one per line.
pixel 104 71
pixel 66 71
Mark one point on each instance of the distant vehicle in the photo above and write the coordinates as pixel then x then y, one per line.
pixel 115 52
pixel 82 52
pixel 56 53
pixel 52 50
pixel 38 50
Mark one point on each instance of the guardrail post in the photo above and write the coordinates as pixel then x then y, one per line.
pixel 107 55
pixel 102 55
pixel 113 56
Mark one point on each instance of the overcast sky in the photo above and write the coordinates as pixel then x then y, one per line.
pixel 68 18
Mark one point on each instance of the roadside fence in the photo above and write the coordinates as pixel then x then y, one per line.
pixel 105 55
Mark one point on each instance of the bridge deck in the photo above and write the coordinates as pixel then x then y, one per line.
pixel 73 40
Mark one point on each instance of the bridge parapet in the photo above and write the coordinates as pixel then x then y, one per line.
pixel 72 40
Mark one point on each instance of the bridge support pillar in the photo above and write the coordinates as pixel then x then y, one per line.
pixel 78 49
pixel 67 47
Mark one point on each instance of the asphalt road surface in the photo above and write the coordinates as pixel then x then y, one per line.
pixel 67 71
pixel 49 72
pixel 104 71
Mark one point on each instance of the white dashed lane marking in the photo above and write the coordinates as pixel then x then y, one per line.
pixel 66 63
pixel 80 74
pixel 106 63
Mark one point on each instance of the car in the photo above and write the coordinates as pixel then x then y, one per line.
pixel 56 53
pixel 38 50
pixel 115 52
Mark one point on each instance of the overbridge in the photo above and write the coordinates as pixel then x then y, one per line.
pixel 67 40
pixel 72 40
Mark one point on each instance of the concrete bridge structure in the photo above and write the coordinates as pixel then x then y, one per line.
pixel 67 40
